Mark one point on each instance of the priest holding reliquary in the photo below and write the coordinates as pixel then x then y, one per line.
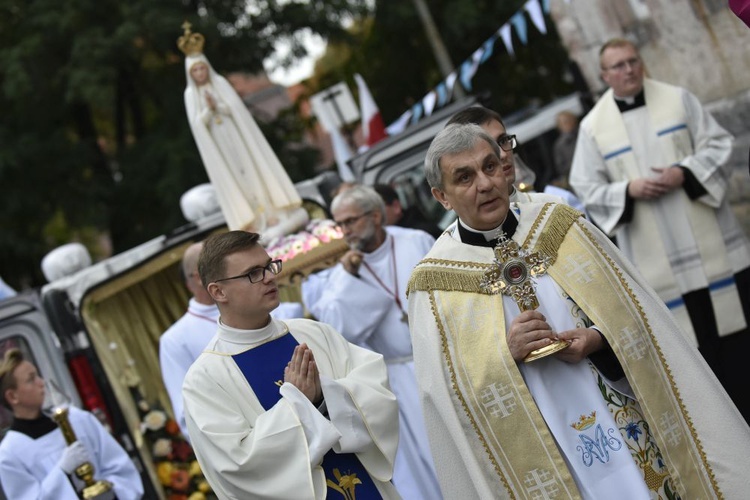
pixel 547 366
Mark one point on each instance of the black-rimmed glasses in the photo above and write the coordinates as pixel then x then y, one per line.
pixel 507 143
pixel 258 274
pixel 351 220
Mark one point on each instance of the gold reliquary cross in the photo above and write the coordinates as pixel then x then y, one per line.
pixel 513 275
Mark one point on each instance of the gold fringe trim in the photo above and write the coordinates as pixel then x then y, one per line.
pixel 554 231
pixel 427 279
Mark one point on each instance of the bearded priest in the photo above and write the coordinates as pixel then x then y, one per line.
pixel 547 367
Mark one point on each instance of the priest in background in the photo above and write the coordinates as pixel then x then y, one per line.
pixel 283 409
pixel 364 298
pixel 651 166
pixel 627 409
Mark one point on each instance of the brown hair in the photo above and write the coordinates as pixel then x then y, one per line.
pixel 13 358
pixel 211 262
pixel 478 115
pixel 615 43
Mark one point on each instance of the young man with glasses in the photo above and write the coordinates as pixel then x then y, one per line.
pixel 183 342
pixel 283 409
pixel 651 165
pixel 365 299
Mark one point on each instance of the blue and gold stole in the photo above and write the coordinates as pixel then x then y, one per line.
pixel 263 368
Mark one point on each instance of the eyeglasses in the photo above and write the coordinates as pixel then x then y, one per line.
pixel 507 142
pixel 633 62
pixel 351 220
pixel 258 274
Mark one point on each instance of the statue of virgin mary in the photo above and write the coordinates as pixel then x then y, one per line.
pixel 253 189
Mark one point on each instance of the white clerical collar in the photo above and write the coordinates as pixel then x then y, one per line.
pixel 627 100
pixel 243 336
pixel 490 235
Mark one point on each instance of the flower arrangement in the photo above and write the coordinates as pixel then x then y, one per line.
pixel 316 233
pixel 177 469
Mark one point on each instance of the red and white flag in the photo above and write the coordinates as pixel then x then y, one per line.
pixel 372 123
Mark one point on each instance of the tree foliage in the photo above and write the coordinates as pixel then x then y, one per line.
pixel 94 136
pixel 394 56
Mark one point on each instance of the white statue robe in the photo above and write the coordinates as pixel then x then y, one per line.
pixel 29 468
pixel 678 244
pixel 180 346
pixel 367 315
pixel 252 187
pixel 248 452
pixel 498 430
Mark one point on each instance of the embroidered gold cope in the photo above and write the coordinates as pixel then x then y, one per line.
pixel 456 366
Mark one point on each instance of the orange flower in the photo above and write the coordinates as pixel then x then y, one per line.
pixel 172 428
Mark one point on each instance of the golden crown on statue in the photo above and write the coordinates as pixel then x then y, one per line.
pixel 584 422
pixel 190 43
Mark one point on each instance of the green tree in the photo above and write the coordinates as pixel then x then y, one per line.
pixel 94 135
pixel 394 57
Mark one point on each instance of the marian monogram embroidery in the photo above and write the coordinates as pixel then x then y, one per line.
pixel 596 446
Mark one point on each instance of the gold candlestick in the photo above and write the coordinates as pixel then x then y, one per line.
pixel 85 471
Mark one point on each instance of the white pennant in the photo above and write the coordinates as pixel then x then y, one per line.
pixel 428 102
pixel 450 81
pixel 537 17
pixel 505 35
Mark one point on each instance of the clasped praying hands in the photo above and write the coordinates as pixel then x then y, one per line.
pixel 302 372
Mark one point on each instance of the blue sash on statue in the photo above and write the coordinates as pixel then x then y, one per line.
pixel 263 368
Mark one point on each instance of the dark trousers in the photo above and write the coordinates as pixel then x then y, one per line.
pixel 727 356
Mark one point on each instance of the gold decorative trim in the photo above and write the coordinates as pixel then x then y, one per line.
pixel 560 221
pixel 667 370
pixel 451 280
pixel 464 405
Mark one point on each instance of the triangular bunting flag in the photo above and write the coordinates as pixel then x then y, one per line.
pixel 507 40
pixel 450 82
pixel 429 102
pixel 519 22
pixel 469 68
pixel 416 112
pixel 488 46
pixel 545 5
pixel 442 94
pixel 400 124
pixel 535 12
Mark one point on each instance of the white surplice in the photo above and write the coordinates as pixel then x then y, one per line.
pixel 29 468
pixel 180 345
pixel 679 245
pixel 368 315
pixel 246 451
